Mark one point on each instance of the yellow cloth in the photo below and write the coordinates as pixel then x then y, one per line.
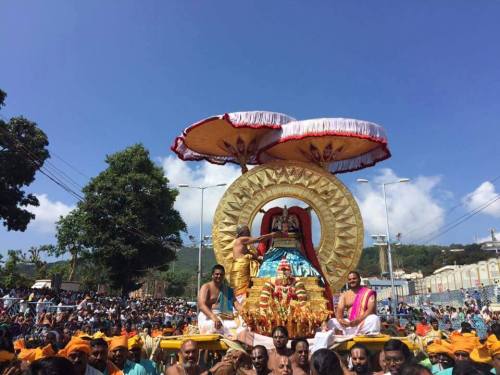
pixel 31 355
pixel 118 342
pixel 6 356
pixel 99 335
pixel 74 345
pixel 466 342
pixel 241 271
pixel 135 342
pixel 438 347
pixel 481 354
pixel 493 345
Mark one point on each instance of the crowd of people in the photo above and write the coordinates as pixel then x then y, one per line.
pixel 47 332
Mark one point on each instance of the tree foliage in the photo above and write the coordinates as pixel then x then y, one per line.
pixel 23 150
pixel 130 222
pixel 59 268
pixel 71 238
pixel 177 283
pixel 3 95
pixel 11 277
pixel 35 257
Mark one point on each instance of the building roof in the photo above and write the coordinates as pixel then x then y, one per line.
pixel 387 283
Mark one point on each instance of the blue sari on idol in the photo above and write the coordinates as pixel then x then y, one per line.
pixel 287 248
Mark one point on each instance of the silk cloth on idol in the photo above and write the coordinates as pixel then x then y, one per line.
pixel 301 267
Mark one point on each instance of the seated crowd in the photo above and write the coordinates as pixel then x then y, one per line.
pixel 85 334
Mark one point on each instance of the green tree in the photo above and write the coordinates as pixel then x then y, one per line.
pixel 70 234
pixel 130 222
pixel 11 277
pixel 23 150
pixel 34 256
pixel 2 98
pixel 59 268
pixel 177 283
pixel 91 273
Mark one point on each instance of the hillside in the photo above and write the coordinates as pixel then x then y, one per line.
pixel 427 259
pixel 187 260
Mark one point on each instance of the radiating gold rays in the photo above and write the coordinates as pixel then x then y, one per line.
pixel 341 224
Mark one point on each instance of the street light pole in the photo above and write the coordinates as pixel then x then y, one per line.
pixel 200 248
pixel 389 250
pixel 389 254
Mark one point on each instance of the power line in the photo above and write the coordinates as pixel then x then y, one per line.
pixel 460 220
pixel 69 165
pixel 449 211
pixel 49 174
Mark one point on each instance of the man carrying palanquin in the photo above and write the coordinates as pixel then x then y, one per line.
pixel 360 303
pixel 217 303
pixel 189 355
pixel 245 263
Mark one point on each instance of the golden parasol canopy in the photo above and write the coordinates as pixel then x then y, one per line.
pixel 336 144
pixel 231 137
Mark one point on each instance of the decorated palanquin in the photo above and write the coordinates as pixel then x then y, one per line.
pixel 290 289
pixel 297 159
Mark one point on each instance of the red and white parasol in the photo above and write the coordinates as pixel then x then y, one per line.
pixel 337 144
pixel 231 137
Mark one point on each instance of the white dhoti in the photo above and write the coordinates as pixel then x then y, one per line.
pixel 369 326
pixel 207 326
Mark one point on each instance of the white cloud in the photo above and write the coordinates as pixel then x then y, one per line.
pixel 414 210
pixel 47 213
pixel 188 202
pixel 483 194
pixel 411 205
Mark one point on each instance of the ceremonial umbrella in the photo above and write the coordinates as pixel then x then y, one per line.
pixel 337 144
pixel 231 137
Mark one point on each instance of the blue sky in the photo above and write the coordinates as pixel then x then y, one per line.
pixel 99 76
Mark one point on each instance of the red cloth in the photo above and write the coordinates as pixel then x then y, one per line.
pixel 422 329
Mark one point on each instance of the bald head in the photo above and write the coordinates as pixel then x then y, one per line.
pixel 187 343
pixel 242 230
pixel 189 353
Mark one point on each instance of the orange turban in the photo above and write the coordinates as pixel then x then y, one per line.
pixel 438 347
pixel 19 344
pixel 464 343
pixel 118 342
pixel 6 356
pixel 76 344
pixel 31 355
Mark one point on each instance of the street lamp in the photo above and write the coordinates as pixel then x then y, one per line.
pixel 202 188
pixel 389 252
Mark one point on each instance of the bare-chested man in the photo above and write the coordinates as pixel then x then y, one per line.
pixel 280 340
pixel 189 360
pixel 245 261
pixel 360 303
pixel 216 303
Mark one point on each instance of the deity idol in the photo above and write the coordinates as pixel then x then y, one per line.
pixel 288 246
